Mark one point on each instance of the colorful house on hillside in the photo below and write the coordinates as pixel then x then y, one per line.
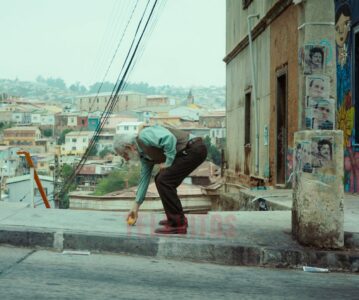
pixel 94 121
pixel 347 46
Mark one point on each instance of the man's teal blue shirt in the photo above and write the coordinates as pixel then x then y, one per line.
pixel 159 137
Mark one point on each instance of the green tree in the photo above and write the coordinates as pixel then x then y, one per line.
pixel 47 132
pixel 104 152
pixel 105 87
pixel 61 139
pixel 5 125
pixel 78 88
pixel 214 154
pixel 40 79
pixel 56 82
pixel 93 151
pixel 117 180
pixel 66 171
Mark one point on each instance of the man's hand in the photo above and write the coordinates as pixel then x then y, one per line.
pixel 162 167
pixel 133 214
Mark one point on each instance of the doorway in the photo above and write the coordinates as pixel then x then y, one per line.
pixel 281 128
pixel 247 133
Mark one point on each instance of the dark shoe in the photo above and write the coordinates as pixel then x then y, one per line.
pixel 172 230
pixel 165 222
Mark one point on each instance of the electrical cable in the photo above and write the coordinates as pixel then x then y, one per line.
pixel 114 97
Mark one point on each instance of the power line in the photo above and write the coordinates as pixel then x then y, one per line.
pixel 114 95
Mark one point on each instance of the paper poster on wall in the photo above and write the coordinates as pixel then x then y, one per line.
pixel 320 114
pixel 302 158
pixel 322 152
pixel 314 58
pixel 317 87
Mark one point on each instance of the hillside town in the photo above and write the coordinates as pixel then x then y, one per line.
pixel 57 134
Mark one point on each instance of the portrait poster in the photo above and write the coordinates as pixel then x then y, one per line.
pixel 314 59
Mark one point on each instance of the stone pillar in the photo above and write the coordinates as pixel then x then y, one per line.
pixel 317 213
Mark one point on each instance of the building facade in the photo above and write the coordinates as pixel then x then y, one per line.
pixel 76 142
pixel 9 161
pixel 271 77
pixel 130 128
pixel 21 136
pixel 20 190
pixel 156 100
pixel 98 102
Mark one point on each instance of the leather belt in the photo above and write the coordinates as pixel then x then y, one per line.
pixel 194 141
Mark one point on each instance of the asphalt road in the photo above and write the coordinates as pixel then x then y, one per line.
pixel 39 274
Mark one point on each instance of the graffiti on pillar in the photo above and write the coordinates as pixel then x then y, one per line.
pixel 289 163
pixel 329 51
pixel 342 29
pixel 322 153
pixel 345 103
pixel 314 58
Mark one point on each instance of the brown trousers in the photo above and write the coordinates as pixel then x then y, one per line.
pixel 169 179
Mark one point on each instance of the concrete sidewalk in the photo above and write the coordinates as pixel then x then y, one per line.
pixel 261 238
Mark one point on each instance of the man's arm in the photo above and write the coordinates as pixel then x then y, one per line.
pixel 145 177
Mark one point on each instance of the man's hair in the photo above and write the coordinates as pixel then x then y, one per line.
pixel 312 81
pixel 315 50
pixel 122 140
pixel 323 142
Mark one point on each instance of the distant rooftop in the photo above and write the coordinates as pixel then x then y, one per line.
pixel 27 128
pixel 27 177
pixel 106 94
pixel 80 133
pixel 130 123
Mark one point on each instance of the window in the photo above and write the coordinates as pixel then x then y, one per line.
pixel 355 83
pixel 74 140
pixel 125 128
pixel 73 148
pixel 246 3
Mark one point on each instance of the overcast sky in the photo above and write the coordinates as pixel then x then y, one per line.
pixel 76 39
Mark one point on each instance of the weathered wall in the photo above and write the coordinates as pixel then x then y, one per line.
pixel 241 160
pixel 239 82
pixel 236 19
pixel 317 213
pixel 283 49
